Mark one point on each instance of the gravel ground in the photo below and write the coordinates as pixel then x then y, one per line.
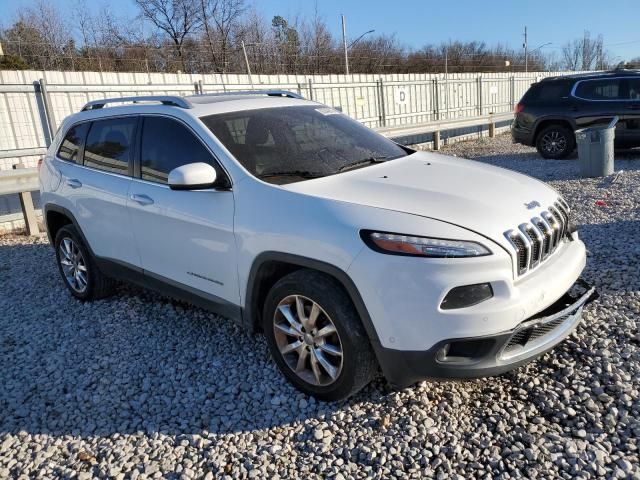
pixel 139 386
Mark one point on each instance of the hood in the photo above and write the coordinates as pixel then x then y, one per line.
pixel 486 199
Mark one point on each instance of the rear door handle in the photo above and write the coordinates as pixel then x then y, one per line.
pixel 142 199
pixel 633 107
pixel 74 183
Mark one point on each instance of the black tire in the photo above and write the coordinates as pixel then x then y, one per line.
pixel 555 142
pixel 358 365
pixel 97 284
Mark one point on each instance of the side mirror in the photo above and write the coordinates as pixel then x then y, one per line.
pixel 192 176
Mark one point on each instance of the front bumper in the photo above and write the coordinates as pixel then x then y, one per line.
pixel 484 356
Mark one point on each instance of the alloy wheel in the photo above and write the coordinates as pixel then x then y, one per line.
pixel 308 340
pixel 74 266
pixel 554 142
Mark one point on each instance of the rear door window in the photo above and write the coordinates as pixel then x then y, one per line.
pixel 167 144
pixel 70 147
pixel 109 144
pixel 605 89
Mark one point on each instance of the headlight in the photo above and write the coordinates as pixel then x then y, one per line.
pixel 397 244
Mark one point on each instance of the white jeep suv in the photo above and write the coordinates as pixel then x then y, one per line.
pixel 350 252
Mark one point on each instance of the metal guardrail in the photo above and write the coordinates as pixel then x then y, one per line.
pixel 443 125
pixel 22 181
pixel 18 181
pixel 23 152
pixel 25 180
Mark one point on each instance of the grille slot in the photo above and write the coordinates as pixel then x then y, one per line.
pixel 538 239
pixel 524 337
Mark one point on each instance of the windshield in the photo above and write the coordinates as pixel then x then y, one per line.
pixel 290 144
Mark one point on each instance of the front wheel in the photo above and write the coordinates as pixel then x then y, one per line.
pixel 316 337
pixel 555 142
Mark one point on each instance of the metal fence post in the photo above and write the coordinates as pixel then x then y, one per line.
pixel 436 98
pixel 479 83
pixel 512 92
pixel 310 89
pixel 48 109
pixel 28 212
pixel 383 108
pixel 378 99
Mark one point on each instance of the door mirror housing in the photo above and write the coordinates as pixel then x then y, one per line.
pixel 192 176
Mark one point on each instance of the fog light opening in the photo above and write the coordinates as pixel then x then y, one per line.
pixel 467 296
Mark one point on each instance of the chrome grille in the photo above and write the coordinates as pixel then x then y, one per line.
pixel 539 238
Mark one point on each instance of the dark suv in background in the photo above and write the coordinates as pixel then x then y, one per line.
pixel 552 109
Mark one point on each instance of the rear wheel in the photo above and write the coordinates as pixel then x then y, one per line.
pixel 77 267
pixel 555 141
pixel 316 337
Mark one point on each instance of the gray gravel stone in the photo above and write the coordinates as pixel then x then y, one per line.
pixel 137 385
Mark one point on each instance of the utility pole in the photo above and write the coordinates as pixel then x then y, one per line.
pixel 246 62
pixel 446 61
pixel 526 45
pixel 344 45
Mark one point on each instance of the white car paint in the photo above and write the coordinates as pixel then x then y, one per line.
pixel 218 235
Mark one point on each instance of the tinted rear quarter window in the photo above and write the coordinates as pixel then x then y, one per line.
pixel 167 144
pixel 544 92
pixel 634 88
pixel 605 89
pixel 109 144
pixel 70 147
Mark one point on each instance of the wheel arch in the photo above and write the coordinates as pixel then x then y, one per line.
pixel 56 217
pixel 547 121
pixel 269 267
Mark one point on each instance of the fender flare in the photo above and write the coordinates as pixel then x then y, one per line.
pixel 553 118
pixel 250 315
pixel 67 213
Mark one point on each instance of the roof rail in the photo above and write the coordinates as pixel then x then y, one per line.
pixel 269 93
pixel 170 100
pixel 626 69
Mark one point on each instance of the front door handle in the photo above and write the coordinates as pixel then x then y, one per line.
pixel 74 183
pixel 633 107
pixel 141 199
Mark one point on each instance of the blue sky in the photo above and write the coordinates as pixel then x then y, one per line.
pixel 418 22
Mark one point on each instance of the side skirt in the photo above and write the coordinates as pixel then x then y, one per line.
pixel 169 288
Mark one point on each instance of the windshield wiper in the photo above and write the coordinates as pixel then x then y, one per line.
pixel 361 163
pixel 292 173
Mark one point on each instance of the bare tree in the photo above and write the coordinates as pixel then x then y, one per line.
pixel 205 35
pixel 177 18
pixel 42 35
pixel 585 53
pixel 319 47
pixel 633 63
pixel 220 18
pixel 256 34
